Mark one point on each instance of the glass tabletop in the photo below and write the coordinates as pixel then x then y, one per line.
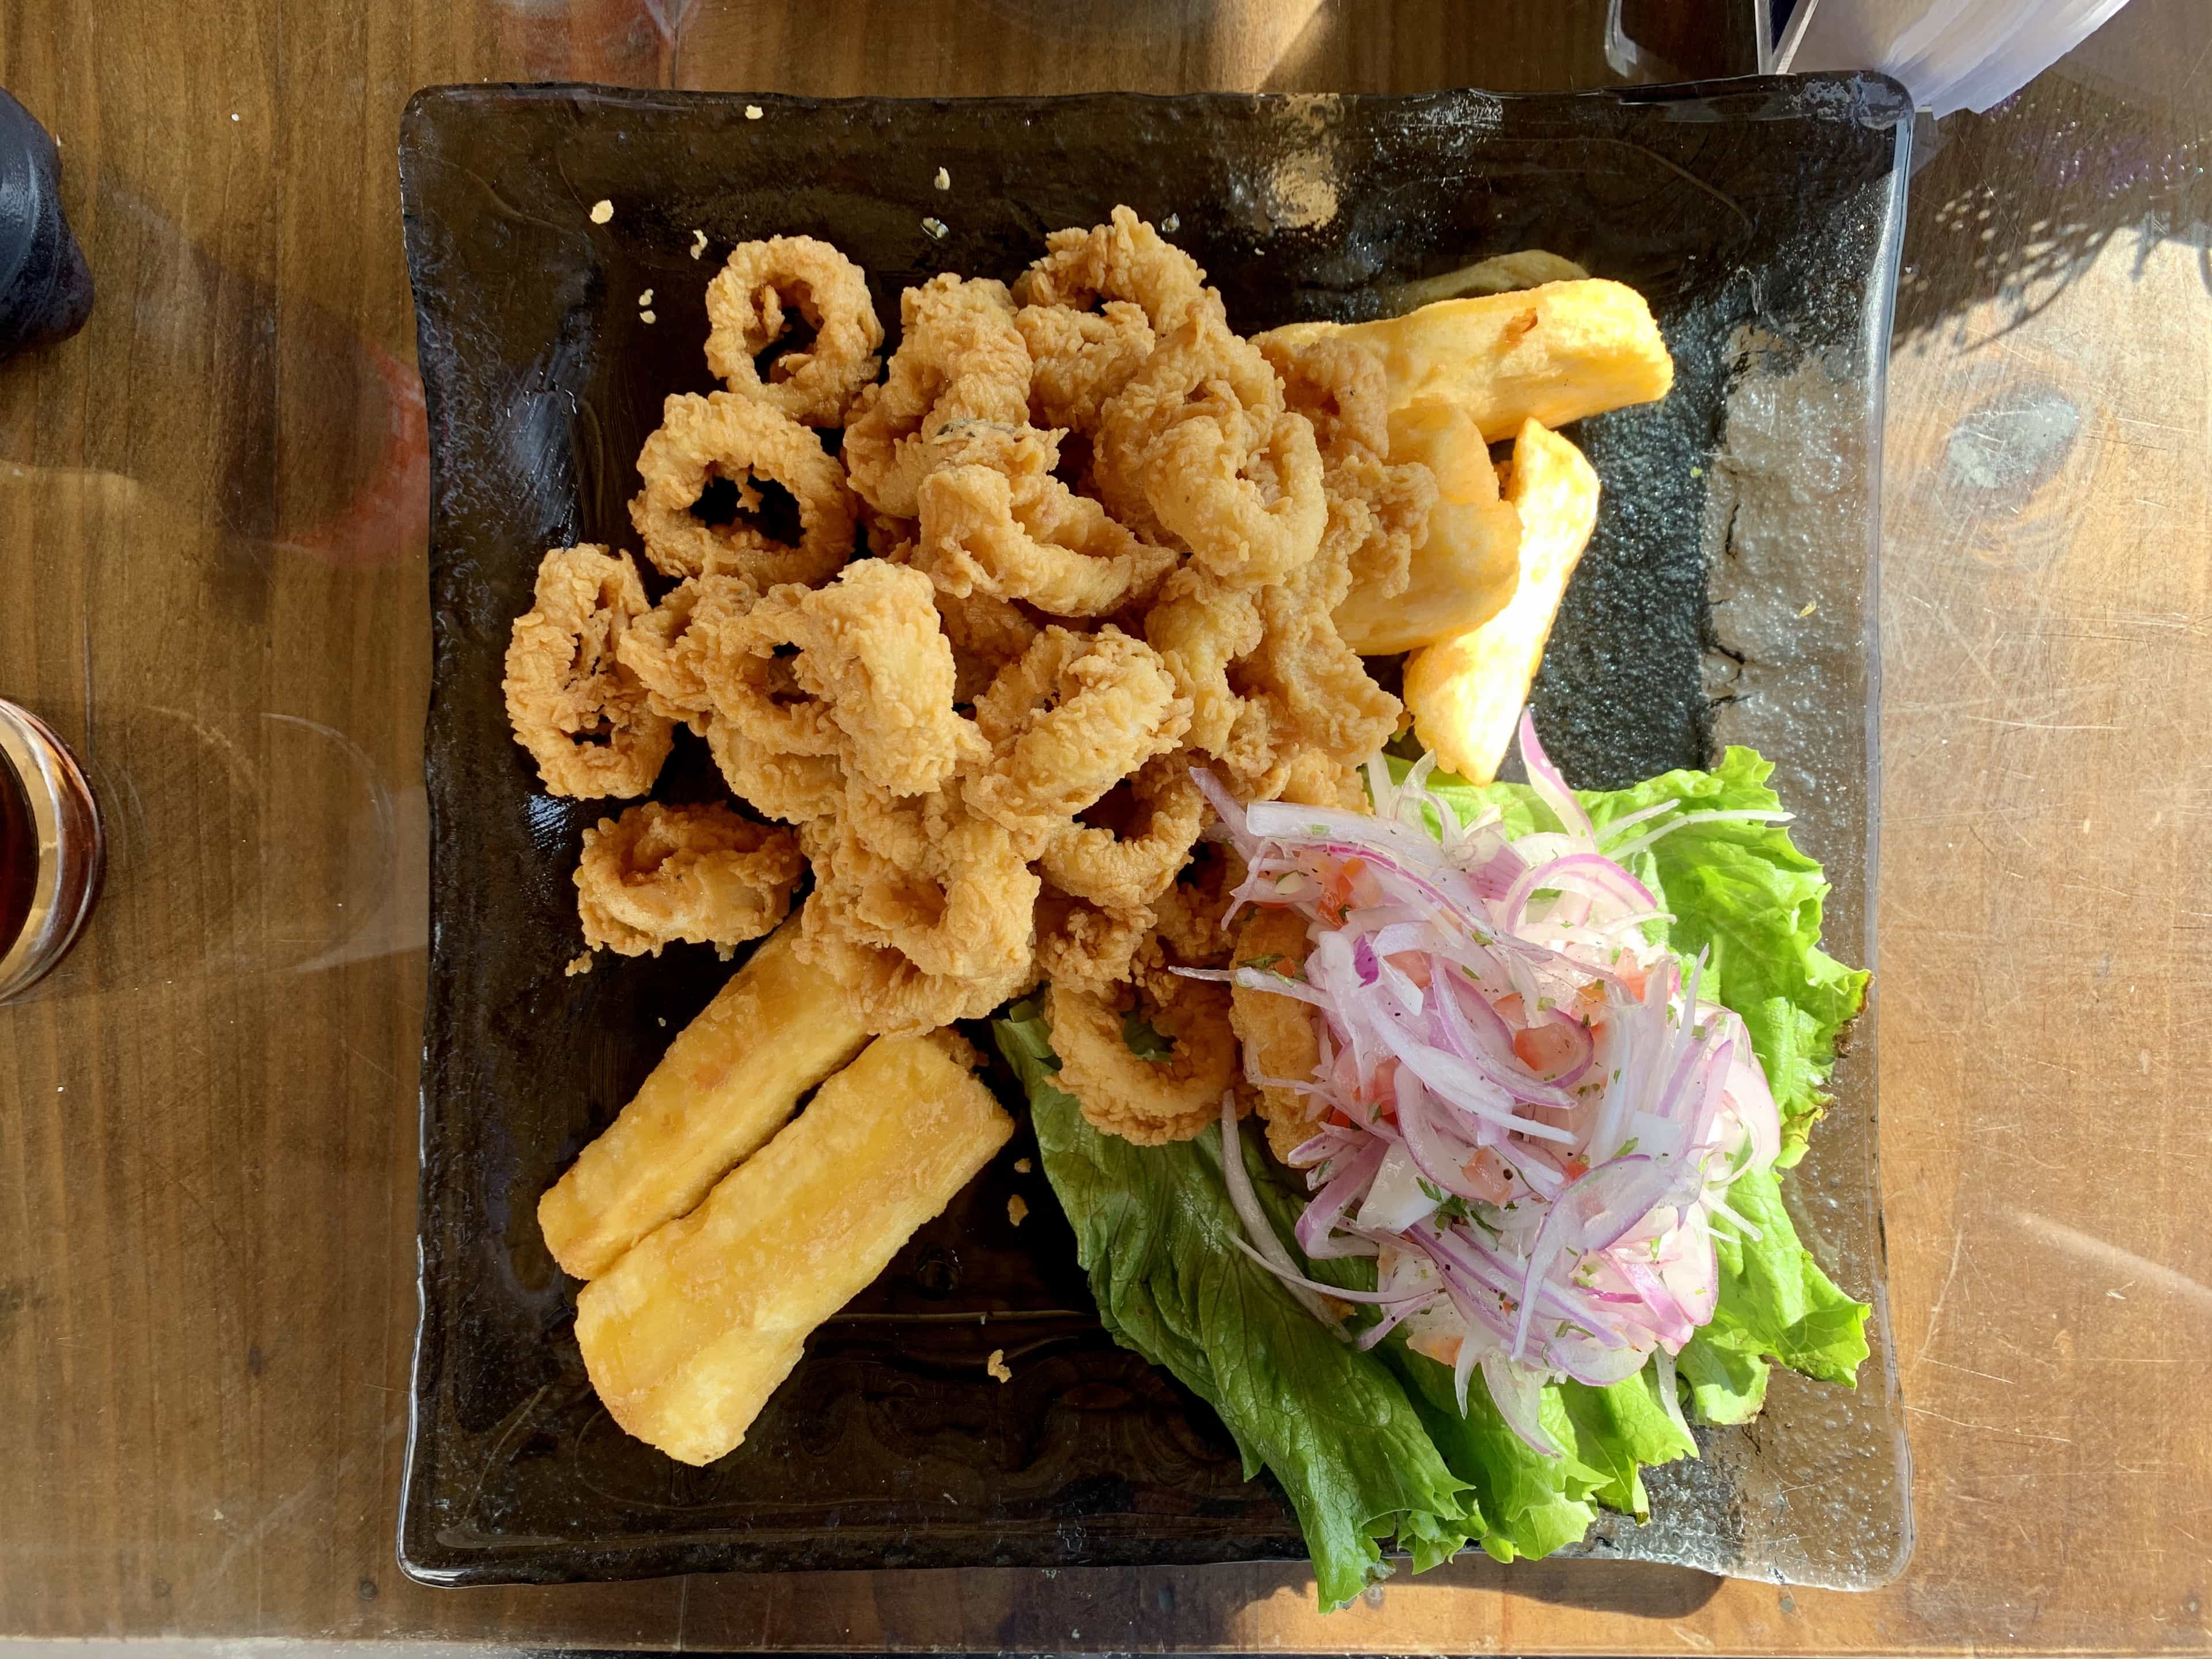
pixel 212 518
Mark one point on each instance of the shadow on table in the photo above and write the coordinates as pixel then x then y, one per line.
pixel 2014 206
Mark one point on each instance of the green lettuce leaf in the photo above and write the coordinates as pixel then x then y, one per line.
pixel 1153 1227
pixel 1775 1302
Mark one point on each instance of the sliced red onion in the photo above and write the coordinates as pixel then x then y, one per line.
pixel 1299 1281
pixel 1518 1393
pixel 1381 1327
pixel 1550 789
pixel 1592 872
pixel 1319 1219
pixel 1257 1229
pixel 1670 1397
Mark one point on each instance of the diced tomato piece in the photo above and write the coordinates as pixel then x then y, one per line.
pixel 1546 1050
pixel 1486 1173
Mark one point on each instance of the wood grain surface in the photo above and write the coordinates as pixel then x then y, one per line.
pixel 211 545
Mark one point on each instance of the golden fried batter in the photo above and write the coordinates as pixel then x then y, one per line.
pixel 1130 861
pixel 584 717
pixel 747 304
pixel 1123 259
pixel 699 874
pixel 1009 528
pixel 1086 946
pixel 1081 358
pixel 961 359
pixel 1150 1102
pixel 1277 1031
pixel 1076 714
pixel 726 435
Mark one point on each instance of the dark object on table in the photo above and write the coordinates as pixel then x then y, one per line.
pixel 1730 566
pixel 46 287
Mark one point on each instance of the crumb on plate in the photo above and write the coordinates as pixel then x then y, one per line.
pixel 996 1365
pixel 602 210
pixel 645 298
pixel 1022 1166
pixel 1017 1209
pixel 1811 605
pixel 753 112
pixel 647 316
pixel 698 243
pixel 1172 224
pixel 936 228
pixel 581 964
pixel 943 179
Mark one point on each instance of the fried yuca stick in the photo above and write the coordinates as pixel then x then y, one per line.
pixel 1500 273
pixel 726 1084
pixel 1466 694
pixel 1466 569
pixel 1552 354
pixel 687 1335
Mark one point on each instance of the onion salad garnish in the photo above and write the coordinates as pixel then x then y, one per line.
pixel 1526 1109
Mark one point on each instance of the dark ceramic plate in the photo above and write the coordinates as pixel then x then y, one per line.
pixel 1726 596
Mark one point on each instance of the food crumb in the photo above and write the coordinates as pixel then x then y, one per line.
pixel 1022 1166
pixel 1697 472
pixel 698 243
pixel 661 1020
pixel 580 965
pixel 1017 1209
pixel 1172 224
pixel 645 298
pixel 753 112
pixel 1811 605
pixel 647 316
pixel 936 228
pixel 602 210
pixel 944 178
pixel 996 1365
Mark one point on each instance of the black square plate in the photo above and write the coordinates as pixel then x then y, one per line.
pixel 1727 595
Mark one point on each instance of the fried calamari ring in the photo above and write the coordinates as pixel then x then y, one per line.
pixel 985 633
pixel 1200 628
pixel 1189 919
pixel 796 789
pixel 1123 259
pixel 700 874
pixel 1378 519
pixel 1147 1102
pixel 584 717
pixel 872 656
pixel 1200 442
pixel 924 876
pixel 961 358
pixel 890 994
pixel 1086 946
pixel 747 305
pixel 1328 699
pixel 1276 1031
pixel 665 653
pixel 1339 386
pixel 1074 716
pixel 725 436
pixel 1131 863
pixel 1013 530
pixel 1079 359
pixel 922 910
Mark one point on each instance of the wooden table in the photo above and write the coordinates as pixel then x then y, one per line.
pixel 211 544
